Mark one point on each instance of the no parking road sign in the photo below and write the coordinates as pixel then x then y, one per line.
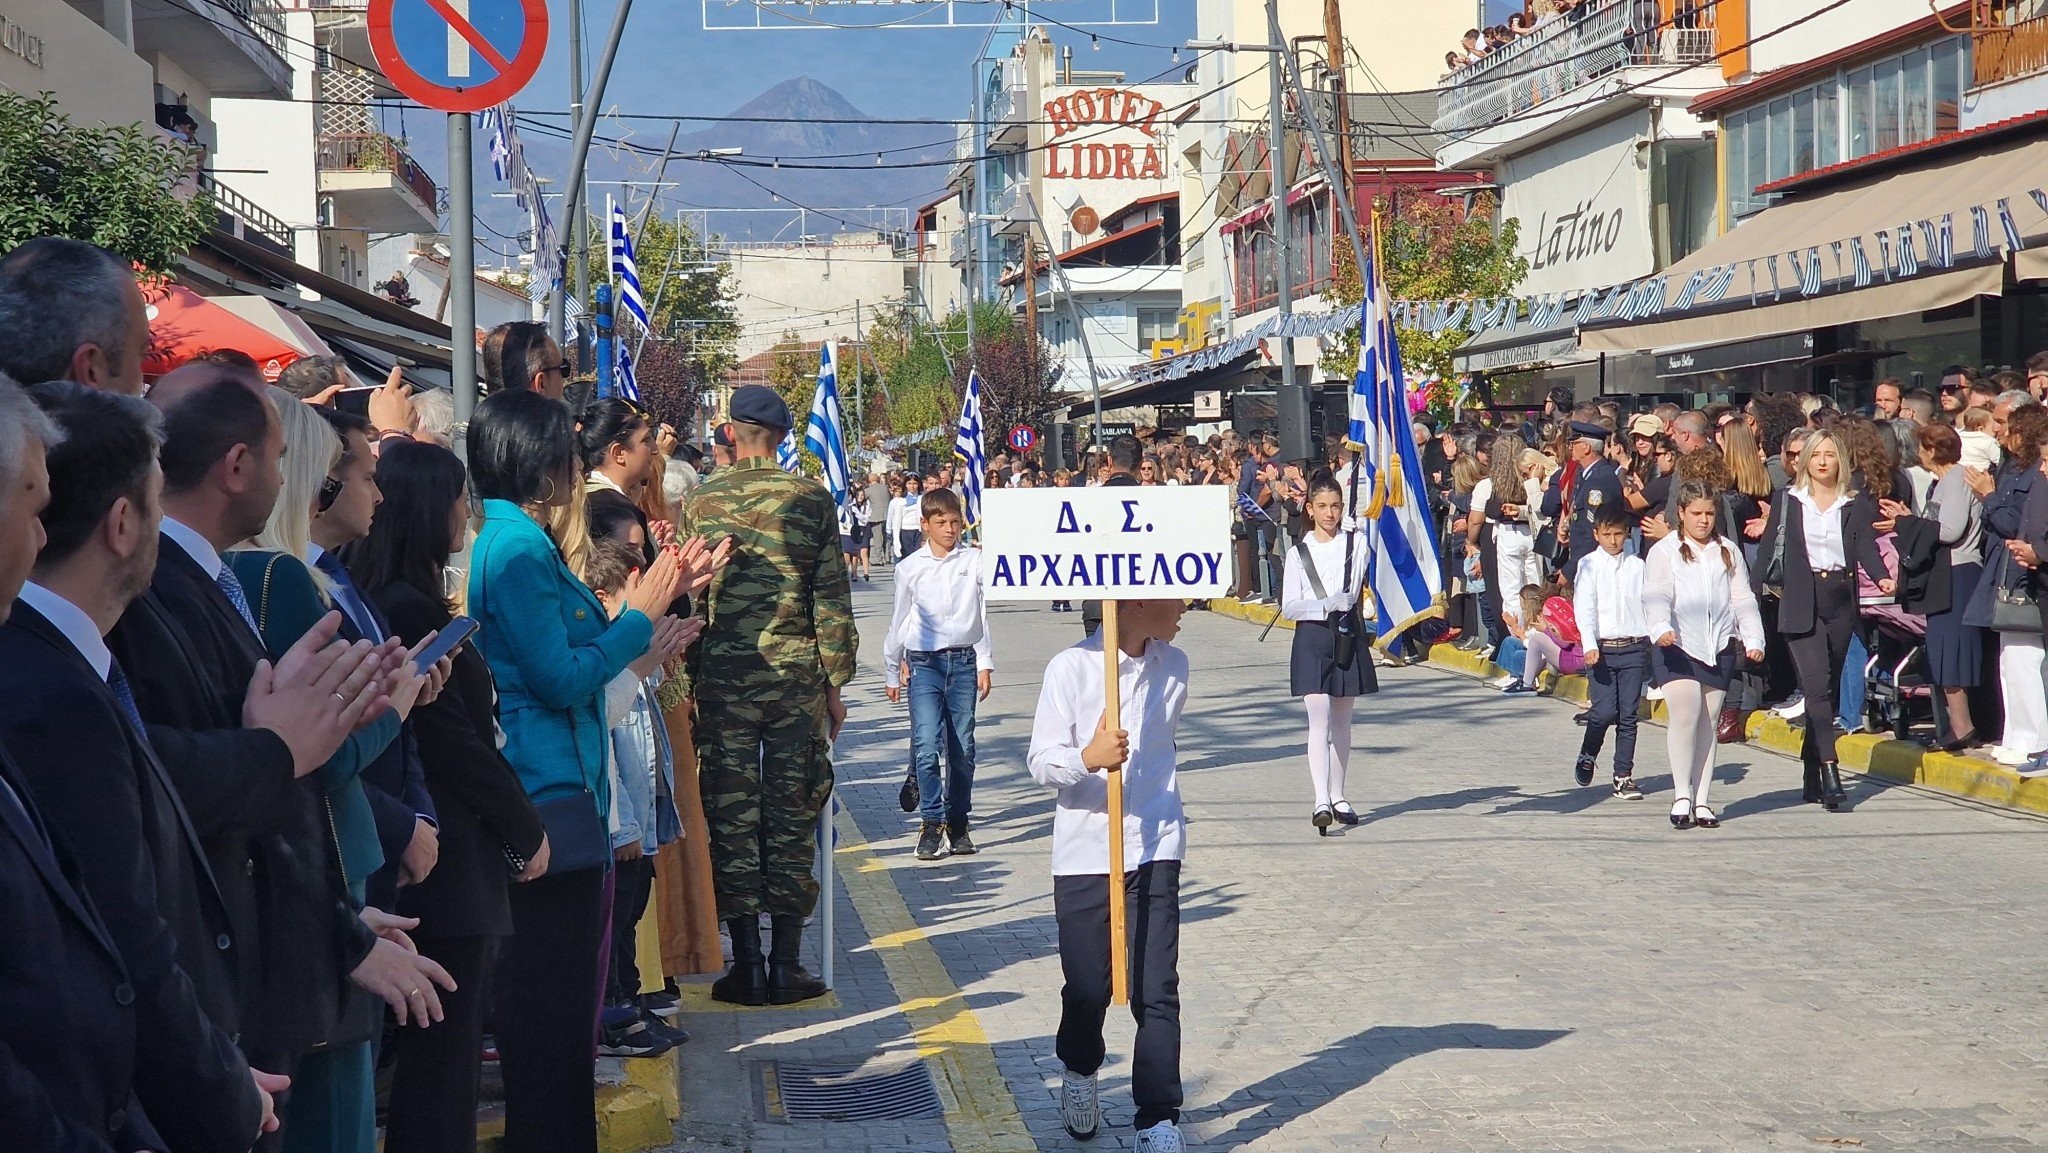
pixel 1022 438
pixel 459 55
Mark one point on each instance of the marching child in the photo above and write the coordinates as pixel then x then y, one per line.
pixel 1615 635
pixel 1074 754
pixel 938 641
pixel 1322 599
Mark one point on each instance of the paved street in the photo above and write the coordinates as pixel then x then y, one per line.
pixel 1492 959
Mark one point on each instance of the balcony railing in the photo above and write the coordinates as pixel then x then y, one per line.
pixel 2010 52
pixel 255 221
pixel 264 17
pixel 376 152
pixel 1568 52
pixel 956 249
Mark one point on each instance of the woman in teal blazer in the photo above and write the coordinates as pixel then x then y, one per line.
pixel 552 649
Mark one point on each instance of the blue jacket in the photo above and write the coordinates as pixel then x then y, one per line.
pixel 645 802
pixel 552 648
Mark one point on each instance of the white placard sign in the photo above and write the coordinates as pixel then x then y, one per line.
pixel 1122 543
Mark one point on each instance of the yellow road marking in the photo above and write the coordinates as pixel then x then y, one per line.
pixel 981 1114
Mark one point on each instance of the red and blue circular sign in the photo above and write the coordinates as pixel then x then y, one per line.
pixel 1022 438
pixel 459 55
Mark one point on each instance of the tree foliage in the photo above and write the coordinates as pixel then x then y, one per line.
pixel 690 301
pixel 1019 385
pixel 1433 251
pixel 126 189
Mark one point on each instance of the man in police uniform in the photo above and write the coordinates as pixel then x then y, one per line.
pixel 778 643
pixel 1597 485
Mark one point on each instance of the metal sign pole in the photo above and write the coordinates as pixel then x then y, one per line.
pixel 461 268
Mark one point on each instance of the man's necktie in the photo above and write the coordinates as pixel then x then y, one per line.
pixel 351 601
pixel 118 681
pixel 236 597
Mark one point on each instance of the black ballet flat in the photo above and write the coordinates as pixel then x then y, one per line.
pixel 1344 813
pixel 1704 817
pixel 1682 820
pixel 1323 819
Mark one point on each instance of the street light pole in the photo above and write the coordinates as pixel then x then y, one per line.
pixel 1290 400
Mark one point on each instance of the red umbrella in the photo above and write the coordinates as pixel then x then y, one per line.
pixel 184 324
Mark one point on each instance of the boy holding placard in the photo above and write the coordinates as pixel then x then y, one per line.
pixel 1074 751
pixel 938 639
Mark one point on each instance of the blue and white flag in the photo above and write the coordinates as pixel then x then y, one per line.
pixel 624 383
pixel 1716 287
pixel 787 458
pixel 2013 243
pixel 1980 225
pixel 822 432
pixel 969 451
pixel 1860 260
pixel 501 149
pixel 1945 241
pixel 626 269
pixel 1909 261
pixel 1810 274
pixel 1401 558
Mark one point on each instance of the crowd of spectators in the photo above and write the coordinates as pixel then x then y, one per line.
pixel 261 837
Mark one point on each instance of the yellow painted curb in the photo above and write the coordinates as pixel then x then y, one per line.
pixel 981 1114
pixel 1979 780
pixel 1259 615
pixel 661 1076
pixel 632 1118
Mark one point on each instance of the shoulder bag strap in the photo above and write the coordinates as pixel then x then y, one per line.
pixel 263 597
pixel 1308 567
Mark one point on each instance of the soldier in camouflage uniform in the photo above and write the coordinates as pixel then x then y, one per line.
pixel 778 643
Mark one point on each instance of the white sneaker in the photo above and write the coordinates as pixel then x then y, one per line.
pixel 1161 1138
pixel 1793 709
pixel 1080 1106
pixel 1652 693
pixel 2010 758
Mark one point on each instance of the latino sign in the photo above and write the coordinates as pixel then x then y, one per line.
pixel 1109 110
pixel 1130 543
pixel 459 55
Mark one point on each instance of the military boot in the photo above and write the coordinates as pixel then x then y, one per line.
pixel 746 983
pixel 788 980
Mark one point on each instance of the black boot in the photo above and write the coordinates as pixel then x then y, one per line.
pixel 788 980
pixel 746 983
pixel 1831 792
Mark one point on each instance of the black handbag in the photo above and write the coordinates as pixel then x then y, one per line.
pixel 1772 578
pixel 576 832
pixel 2013 608
pixel 1346 626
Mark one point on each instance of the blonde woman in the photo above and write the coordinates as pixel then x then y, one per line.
pixel 1703 618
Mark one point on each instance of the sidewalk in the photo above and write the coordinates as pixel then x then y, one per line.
pixel 1900 762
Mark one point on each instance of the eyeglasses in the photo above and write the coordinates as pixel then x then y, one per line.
pixel 565 368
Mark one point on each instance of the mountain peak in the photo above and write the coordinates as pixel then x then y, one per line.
pixel 802 98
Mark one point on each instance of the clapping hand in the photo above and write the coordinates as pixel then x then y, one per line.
pixel 654 589
pixel 671 636
pixel 700 562
pixel 1982 483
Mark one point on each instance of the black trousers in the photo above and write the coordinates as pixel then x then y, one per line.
pixel 1080 906
pixel 1818 655
pixel 547 1011
pixel 634 881
pixel 1617 682
pixel 435 1071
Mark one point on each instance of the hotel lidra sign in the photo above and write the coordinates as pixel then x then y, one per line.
pixel 1090 159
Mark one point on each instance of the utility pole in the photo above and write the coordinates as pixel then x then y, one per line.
pixel 579 233
pixel 461 267
pixel 583 104
pixel 970 205
pixel 1030 308
pixel 1290 399
pixel 860 349
pixel 1333 40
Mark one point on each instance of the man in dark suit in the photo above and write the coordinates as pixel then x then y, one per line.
pixel 68 1009
pixel 394 783
pixel 66 715
pixel 199 673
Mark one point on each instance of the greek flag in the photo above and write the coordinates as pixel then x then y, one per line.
pixel 1588 300
pixel 786 455
pixel 1980 224
pixel 625 269
pixel 2040 197
pixel 1717 286
pixel 968 450
pixel 2013 243
pixel 1401 559
pixel 1909 261
pixel 1945 240
pixel 624 384
pixel 1771 263
pixel 1809 273
pixel 822 432
pixel 501 151
pixel 1885 259
pixel 1690 289
pixel 1860 260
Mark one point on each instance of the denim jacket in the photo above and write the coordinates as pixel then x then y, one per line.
pixel 643 805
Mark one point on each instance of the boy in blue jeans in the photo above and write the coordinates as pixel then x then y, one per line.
pixel 938 641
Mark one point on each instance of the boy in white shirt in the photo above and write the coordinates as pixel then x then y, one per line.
pixel 938 641
pixel 1607 602
pixel 1071 752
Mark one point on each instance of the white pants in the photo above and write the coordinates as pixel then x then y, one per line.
pixel 2026 704
pixel 1514 559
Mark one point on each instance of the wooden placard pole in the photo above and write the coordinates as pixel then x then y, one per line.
pixel 1112 718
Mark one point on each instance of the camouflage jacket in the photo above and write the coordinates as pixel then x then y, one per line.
pixel 778 619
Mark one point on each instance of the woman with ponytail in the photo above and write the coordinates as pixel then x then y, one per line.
pixel 1328 671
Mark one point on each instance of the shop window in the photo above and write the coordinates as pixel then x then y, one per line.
pixel 1156 324
pixel 1917 113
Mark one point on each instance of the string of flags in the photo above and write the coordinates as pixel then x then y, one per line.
pixel 1904 251
pixel 508 165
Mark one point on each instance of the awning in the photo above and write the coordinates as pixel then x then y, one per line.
pixel 1515 348
pixel 184 324
pixel 1862 209
pixel 1673 362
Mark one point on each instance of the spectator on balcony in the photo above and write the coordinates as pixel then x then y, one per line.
pixel 1518 25
pixel 1470 48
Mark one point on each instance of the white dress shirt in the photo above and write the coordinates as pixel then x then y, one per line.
pixel 1607 598
pixel 197 547
pixel 939 605
pixel 71 620
pixel 1298 600
pixel 1152 691
pixel 1707 601
pixel 1824 547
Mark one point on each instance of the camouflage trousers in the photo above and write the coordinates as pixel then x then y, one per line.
pixel 765 769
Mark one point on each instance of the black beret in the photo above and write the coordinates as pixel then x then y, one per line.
pixel 759 404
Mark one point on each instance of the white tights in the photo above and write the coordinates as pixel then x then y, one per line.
pixel 1329 744
pixel 1693 711
pixel 1544 653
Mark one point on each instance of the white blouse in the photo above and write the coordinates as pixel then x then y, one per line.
pixel 1298 599
pixel 1706 601
pixel 1824 546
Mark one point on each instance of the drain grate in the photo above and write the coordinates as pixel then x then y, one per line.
pixel 847 1092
